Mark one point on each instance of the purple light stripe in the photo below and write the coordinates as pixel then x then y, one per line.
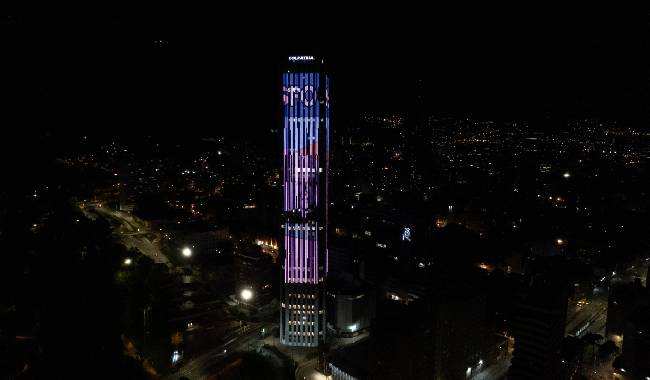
pixel 295 256
pixel 301 163
pixel 286 259
pixel 305 256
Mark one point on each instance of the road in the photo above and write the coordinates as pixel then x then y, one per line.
pixel 592 317
pixel 131 232
pixel 496 371
pixel 134 233
pixel 586 318
pixel 601 371
pixel 307 371
pixel 199 368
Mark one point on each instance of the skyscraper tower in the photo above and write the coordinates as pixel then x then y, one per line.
pixel 306 167
pixel 538 328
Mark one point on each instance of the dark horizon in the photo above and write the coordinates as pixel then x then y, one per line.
pixel 140 68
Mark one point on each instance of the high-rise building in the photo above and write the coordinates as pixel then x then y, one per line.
pixel 623 302
pixel 538 329
pixel 634 362
pixel 306 167
pixel 462 334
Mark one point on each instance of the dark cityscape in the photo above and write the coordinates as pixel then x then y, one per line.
pixel 324 193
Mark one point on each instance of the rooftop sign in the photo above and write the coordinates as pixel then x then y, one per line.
pixel 301 58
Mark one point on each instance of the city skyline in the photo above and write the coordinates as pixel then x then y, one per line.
pixel 334 193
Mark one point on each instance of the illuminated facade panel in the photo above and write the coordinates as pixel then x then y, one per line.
pixel 306 166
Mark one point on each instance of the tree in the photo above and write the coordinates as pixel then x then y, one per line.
pixel 607 349
pixel 592 340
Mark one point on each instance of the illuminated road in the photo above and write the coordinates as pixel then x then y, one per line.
pixel 587 318
pixel 131 233
pixel 592 317
pixel 202 366
pixel 307 371
pixel 496 371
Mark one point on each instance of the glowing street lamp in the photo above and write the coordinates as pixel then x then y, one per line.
pixel 246 294
pixel 127 261
pixel 187 252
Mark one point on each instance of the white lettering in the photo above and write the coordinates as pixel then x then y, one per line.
pixel 301 58
pixel 307 95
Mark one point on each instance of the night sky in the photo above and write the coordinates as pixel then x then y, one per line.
pixel 73 66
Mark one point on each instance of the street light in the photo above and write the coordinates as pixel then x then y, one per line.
pixel 246 294
pixel 187 252
pixel 127 261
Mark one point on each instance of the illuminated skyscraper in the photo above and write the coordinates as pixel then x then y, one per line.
pixel 306 167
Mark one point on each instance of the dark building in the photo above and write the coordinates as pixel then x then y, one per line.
pixel 306 168
pixel 623 301
pixel 400 347
pixel 538 329
pixel 405 288
pixel 463 337
pixel 571 354
pixel 354 362
pixel 207 242
pixel 254 272
pixel 635 358
pixel 350 305
pixel 126 201
pixel 341 260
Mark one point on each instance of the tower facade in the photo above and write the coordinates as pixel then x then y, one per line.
pixel 306 168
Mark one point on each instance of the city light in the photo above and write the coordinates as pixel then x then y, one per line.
pixel 267 244
pixel 246 294
pixel 175 357
pixel 339 198
pixel 406 234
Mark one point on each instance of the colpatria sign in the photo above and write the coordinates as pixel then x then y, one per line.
pixel 301 58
